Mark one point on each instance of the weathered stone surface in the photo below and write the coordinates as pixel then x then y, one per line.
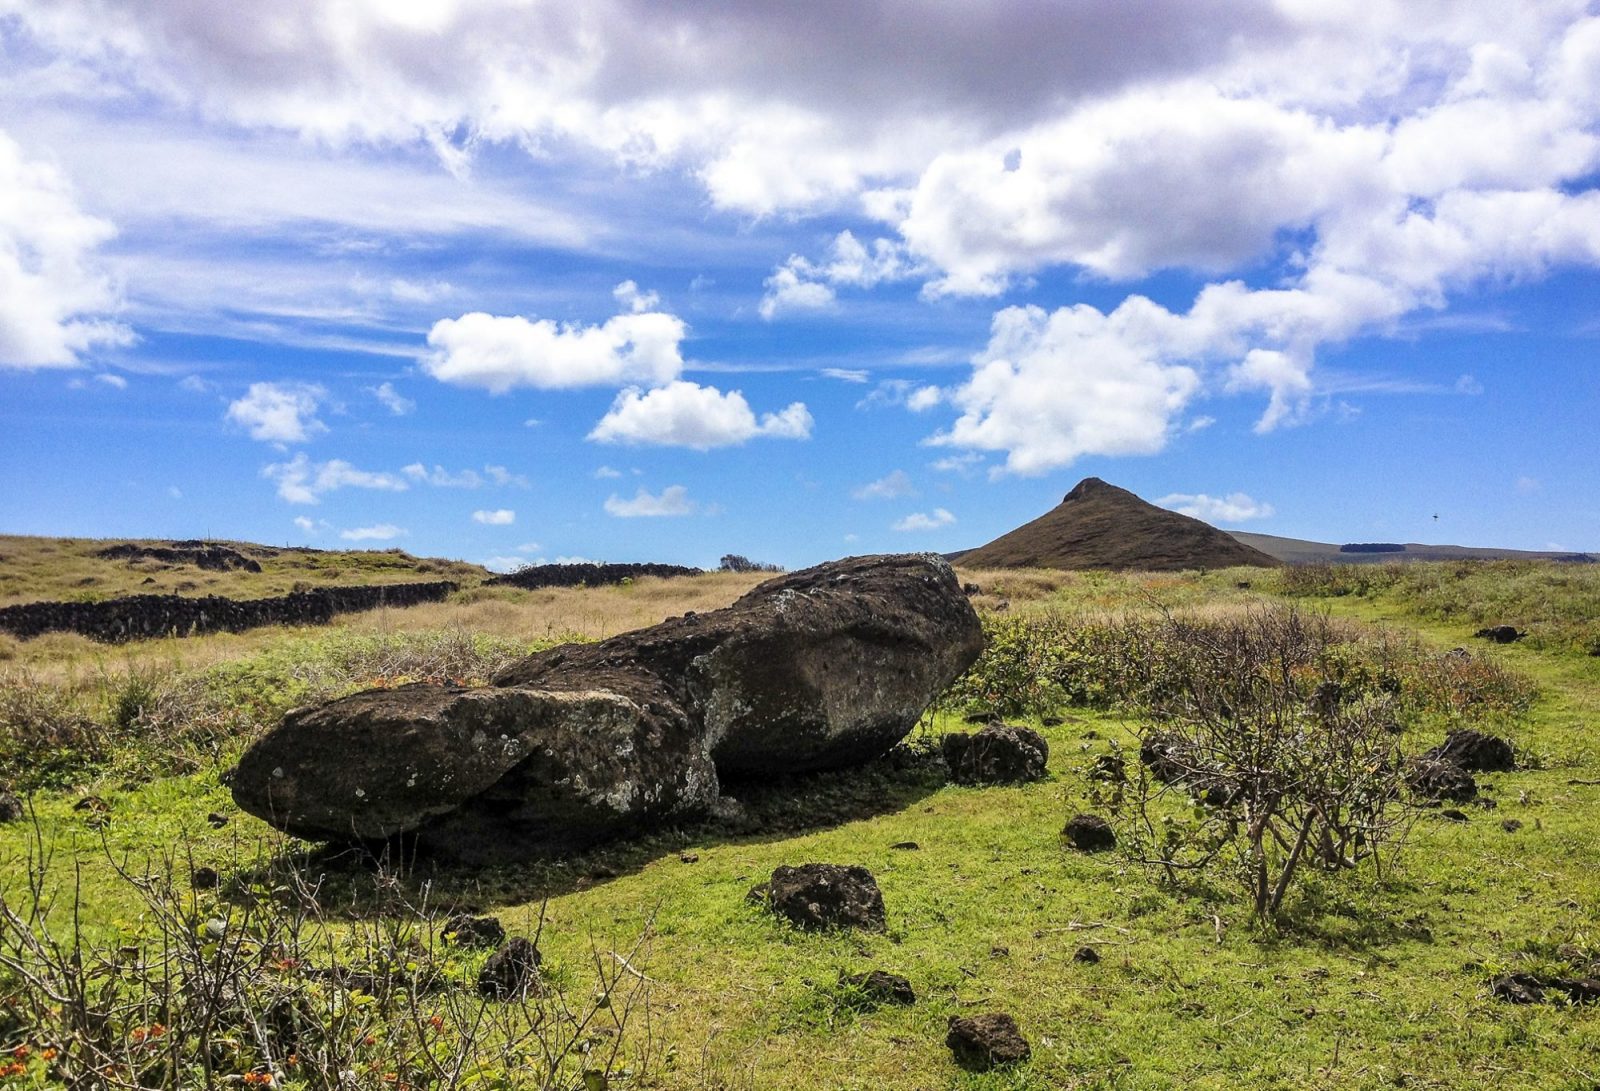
pixel 999 754
pixel 1474 751
pixel 812 670
pixel 982 1042
pixel 11 808
pixel 465 930
pixel 1500 634
pixel 822 896
pixel 882 987
pixel 512 972
pixel 815 669
pixel 549 769
pixel 1441 781
pixel 1089 833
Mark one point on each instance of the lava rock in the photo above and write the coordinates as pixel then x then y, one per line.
pixel 1511 825
pixel 1500 634
pixel 465 930
pixel 1166 758
pixel 11 809
pixel 512 972
pixel 822 896
pixel 1474 751
pixel 1517 989
pixel 882 987
pixel 982 1042
pixel 1086 955
pixel 999 754
pixel 1109 769
pixel 205 878
pixel 1441 781
pixel 1089 833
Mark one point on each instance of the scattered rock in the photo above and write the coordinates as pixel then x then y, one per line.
pixel 882 987
pixel 760 894
pixel 1164 757
pixel 1089 833
pixel 970 589
pixel 1453 815
pixel 1109 769
pixel 93 804
pixel 216 820
pixel 818 669
pixel 1500 634
pixel 821 896
pixel 1511 825
pixel 981 718
pixel 465 930
pixel 1526 988
pixel 906 846
pixel 512 972
pixel 11 809
pixel 1474 751
pixel 1086 954
pixel 982 1042
pixel 689 857
pixel 1458 655
pixel 999 754
pixel 205 878
pixel 1441 781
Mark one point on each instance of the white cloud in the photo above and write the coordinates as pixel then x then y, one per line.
pixel 56 302
pixel 1526 485
pixel 1236 507
pixel 504 564
pixel 633 300
pixel 502 476
pixel 441 478
pixel 605 472
pixel 279 412
pixel 924 398
pixel 684 414
pixel 674 500
pixel 381 532
pixel 411 291
pixel 959 464
pixel 115 382
pixel 923 521
pixel 801 284
pixel 301 481
pixel 1468 385
pixel 193 384
pixel 310 526
pixel 846 374
pixel 500 517
pixel 500 353
pixel 393 400
pixel 890 487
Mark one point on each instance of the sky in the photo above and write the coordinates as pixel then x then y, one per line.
pixel 518 281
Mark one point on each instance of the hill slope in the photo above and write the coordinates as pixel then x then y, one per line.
pixel 1299 551
pixel 1097 525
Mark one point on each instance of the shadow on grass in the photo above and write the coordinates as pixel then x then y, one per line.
pixel 362 881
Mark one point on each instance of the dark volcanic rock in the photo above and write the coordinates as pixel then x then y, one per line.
pixel 1500 634
pixel 512 972
pixel 1441 781
pixel 999 754
pixel 465 930
pixel 1089 833
pixel 882 987
pixel 981 1042
pixel 11 808
pixel 1517 989
pixel 820 896
pixel 817 669
pixel 1474 751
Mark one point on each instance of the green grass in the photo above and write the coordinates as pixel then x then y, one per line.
pixel 1367 985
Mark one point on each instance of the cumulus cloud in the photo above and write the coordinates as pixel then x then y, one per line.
pixel 674 500
pixel 605 472
pixel 500 517
pixel 499 353
pixel 381 532
pixel 890 487
pixel 923 521
pixel 301 481
pixel 803 284
pixel 1236 507
pixel 685 414
pixel 439 477
pixel 393 400
pixel 633 300
pixel 56 302
pixel 279 412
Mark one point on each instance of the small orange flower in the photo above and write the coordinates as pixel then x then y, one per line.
pixel 436 1022
pixel 369 1040
pixel 20 1052
pixel 49 1054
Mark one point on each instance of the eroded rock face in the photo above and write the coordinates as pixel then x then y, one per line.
pixel 999 754
pixel 1475 751
pixel 813 670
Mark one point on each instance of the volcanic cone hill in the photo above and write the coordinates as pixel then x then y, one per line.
pixel 1101 526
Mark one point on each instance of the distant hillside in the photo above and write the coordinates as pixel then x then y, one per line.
pixel 1097 525
pixel 1297 551
pixel 91 569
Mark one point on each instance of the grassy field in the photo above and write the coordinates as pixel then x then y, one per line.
pixel 1364 983
pixel 72 569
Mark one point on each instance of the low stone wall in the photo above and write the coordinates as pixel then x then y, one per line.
pixel 589 575
pixel 142 617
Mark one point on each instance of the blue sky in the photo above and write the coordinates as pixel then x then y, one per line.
pixel 661 281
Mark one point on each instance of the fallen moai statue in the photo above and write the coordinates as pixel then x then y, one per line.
pixel 817 669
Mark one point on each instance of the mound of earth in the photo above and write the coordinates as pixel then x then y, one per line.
pixel 1097 525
